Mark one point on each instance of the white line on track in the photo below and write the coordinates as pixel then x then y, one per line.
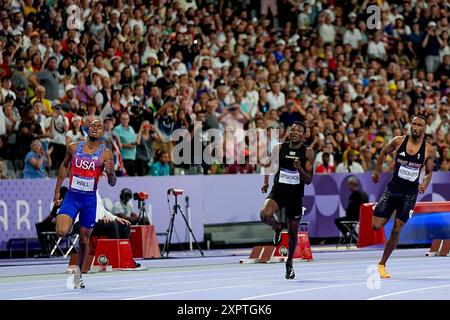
pixel 407 291
pixel 93 279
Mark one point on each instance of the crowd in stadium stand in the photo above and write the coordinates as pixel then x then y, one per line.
pixel 148 68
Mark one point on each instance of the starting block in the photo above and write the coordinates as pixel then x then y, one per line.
pixel 269 254
pixel 115 253
pixel 439 247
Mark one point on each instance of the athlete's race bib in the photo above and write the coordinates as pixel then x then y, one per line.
pixel 82 184
pixel 289 177
pixel 407 173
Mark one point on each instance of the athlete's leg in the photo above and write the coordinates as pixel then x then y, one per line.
pixel 63 224
pixel 383 210
pixel 293 237
pixel 293 212
pixel 392 241
pixel 84 246
pixel 66 215
pixel 270 207
pixel 404 205
pixel 378 222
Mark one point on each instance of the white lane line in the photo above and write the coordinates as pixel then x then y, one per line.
pixel 277 293
pixel 231 268
pixel 92 280
pixel 407 291
pixel 265 284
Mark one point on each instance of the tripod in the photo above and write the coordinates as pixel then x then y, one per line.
pixel 176 209
pixel 142 218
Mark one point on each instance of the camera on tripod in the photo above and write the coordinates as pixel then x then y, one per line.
pixel 175 192
pixel 140 196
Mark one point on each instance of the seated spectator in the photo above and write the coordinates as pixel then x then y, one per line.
pixel 36 161
pixel 356 199
pixel 124 207
pixel 49 225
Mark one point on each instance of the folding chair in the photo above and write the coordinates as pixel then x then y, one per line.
pixel 70 240
pixel 351 236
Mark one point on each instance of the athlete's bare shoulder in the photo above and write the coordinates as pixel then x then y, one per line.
pixel 394 143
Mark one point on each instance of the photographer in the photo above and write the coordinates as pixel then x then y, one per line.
pixel 431 44
pixel 124 208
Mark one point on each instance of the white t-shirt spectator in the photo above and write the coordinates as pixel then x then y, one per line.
pixel 376 50
pixel 119 207
pixel 354 168
pixel 352 38
pixel 275 101
pixel 327 32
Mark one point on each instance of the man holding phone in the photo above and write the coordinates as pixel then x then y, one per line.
pixel 431 45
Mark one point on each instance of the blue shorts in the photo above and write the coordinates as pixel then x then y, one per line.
pixel 80 202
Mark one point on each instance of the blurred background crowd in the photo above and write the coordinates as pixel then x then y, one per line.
pixel 148 68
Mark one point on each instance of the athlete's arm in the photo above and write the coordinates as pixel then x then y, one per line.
pixel 62 173
pixel 108 166
pixel 390 147
pixel 429 160
pixel 270 167
pixel 306 175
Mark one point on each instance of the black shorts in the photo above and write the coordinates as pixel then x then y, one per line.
pixel 291 201
pixel 403 202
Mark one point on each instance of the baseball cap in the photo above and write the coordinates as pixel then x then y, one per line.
pixel 69 87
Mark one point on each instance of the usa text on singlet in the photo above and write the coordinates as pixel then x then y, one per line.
pixel 86 169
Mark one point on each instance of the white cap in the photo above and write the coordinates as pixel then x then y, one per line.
pixel 281 41
pixel 69 87
pixel 432 24
pixel 115 12
pixel 352 15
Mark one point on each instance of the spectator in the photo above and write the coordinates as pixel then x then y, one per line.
pixel 128 140
pixel 342 78
pixel 124 207
pixel 161 166
pixel 37 161
pixel 144 152
pixel 325 166
pixel 75 134
pixel 356 199
pixel 350 166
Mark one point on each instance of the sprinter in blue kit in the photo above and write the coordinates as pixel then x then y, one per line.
pixel 87 160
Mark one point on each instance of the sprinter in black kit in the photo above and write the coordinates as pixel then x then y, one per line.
pixel 293 163
pixel 412 154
